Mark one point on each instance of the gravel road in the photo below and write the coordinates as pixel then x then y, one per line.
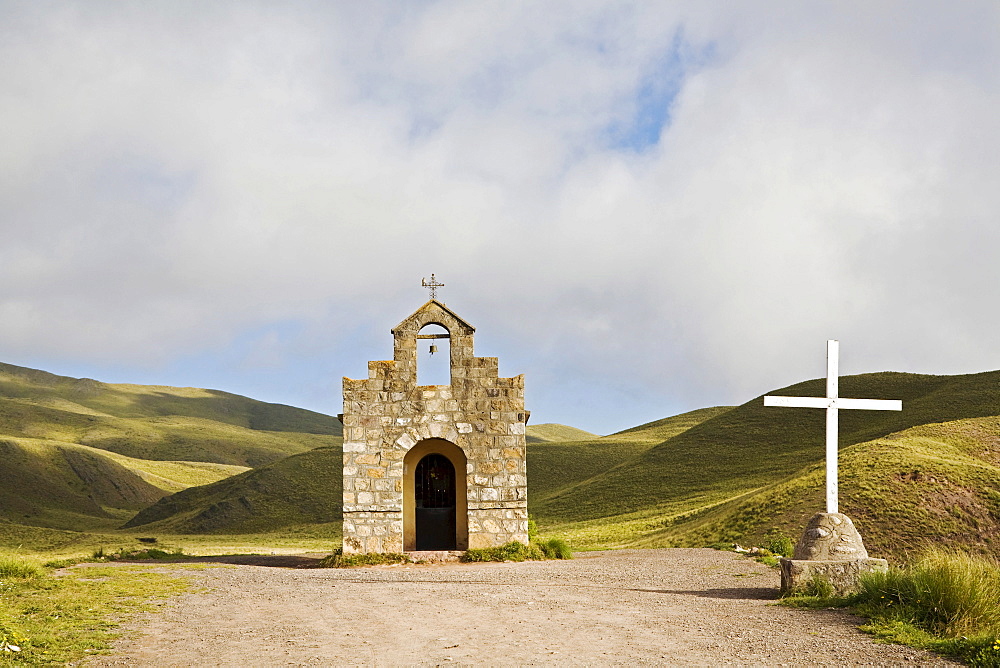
pixel 678 607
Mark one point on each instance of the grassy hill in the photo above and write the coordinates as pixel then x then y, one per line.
pixel 81 454
pixel 78 453
pixel 753 469
pixel 61 485
pixel 150 422
pixel 542 433
pixel 301 489
pixel 554 467
pixel 306 488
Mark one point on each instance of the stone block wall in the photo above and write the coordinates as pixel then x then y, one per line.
pixel 387 415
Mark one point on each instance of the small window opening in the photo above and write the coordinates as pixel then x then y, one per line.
pixel 433 369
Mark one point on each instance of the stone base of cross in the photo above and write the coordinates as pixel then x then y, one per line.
pixel 832 402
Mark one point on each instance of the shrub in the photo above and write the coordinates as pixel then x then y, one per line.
pixel 780 544
pixel 555 548
pixel 340 560
pixel 532 529
pixel 512 551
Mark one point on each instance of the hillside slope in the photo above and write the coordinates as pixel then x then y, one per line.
pixel 300 489
pixel 752 446
pixel 151 422
pixel 64 485
pixel 543 433
pixel 932 484
pixel 78 453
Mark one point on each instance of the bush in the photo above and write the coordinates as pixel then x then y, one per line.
pixel 512 551
pixel 780 544
pixel 555 548
pixel 340 560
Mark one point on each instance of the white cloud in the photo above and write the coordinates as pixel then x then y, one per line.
pixel 178 176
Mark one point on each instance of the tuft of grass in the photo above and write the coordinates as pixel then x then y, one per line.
pixel 15 567
pixel 555 548
pixel 948 594
pixel 512 551
pixel 947 602
pixel 340 560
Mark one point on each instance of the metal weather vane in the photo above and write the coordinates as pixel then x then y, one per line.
pixel 431 285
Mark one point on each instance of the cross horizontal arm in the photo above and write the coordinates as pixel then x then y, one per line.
pixel 869 404
pixel 823 402
pixel 798 402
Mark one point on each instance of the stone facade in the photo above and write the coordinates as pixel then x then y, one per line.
pixel 391 424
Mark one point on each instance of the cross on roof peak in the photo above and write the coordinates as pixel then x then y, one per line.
pixel 431 285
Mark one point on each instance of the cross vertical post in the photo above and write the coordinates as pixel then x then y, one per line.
pixel 833 403
pixel 832 425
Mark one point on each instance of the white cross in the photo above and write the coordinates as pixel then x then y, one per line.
pixel 832 403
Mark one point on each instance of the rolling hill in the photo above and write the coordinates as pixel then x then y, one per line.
pixel 753 470
pixel 545 433
pixel 306 488
pixel 84 454
pixel 78 453
pixel 301 489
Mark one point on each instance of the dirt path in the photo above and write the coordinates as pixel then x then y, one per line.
pixel 663 607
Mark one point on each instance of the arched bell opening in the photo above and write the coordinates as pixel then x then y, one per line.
pixel 433 355
pixel 435 505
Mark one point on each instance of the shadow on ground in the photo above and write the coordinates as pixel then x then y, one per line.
pixel 746 593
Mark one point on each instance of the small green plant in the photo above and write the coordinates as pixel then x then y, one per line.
pixel 555 548
pixel 340 560
pixel 512 551
pixel 532 529
pixel 819 586
pixel 779 544
pixel 11 642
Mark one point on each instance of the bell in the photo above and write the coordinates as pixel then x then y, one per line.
pixel 434 349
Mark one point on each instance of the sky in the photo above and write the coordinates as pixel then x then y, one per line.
pixel 644 207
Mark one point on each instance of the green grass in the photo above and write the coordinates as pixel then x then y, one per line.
pixel 340 560
pixel 512 551
pixel 539 433
pixel 77 453
pixel 945 601
pixel 301 489
pixel 58 620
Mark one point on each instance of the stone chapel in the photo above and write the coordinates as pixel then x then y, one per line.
pixel 434 467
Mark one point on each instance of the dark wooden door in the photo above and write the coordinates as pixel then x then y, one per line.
pixel 434 503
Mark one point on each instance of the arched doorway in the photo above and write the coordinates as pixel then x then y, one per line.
pixel 434 503
pixel 435 509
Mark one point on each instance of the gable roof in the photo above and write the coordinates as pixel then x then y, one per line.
pixel 432 308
